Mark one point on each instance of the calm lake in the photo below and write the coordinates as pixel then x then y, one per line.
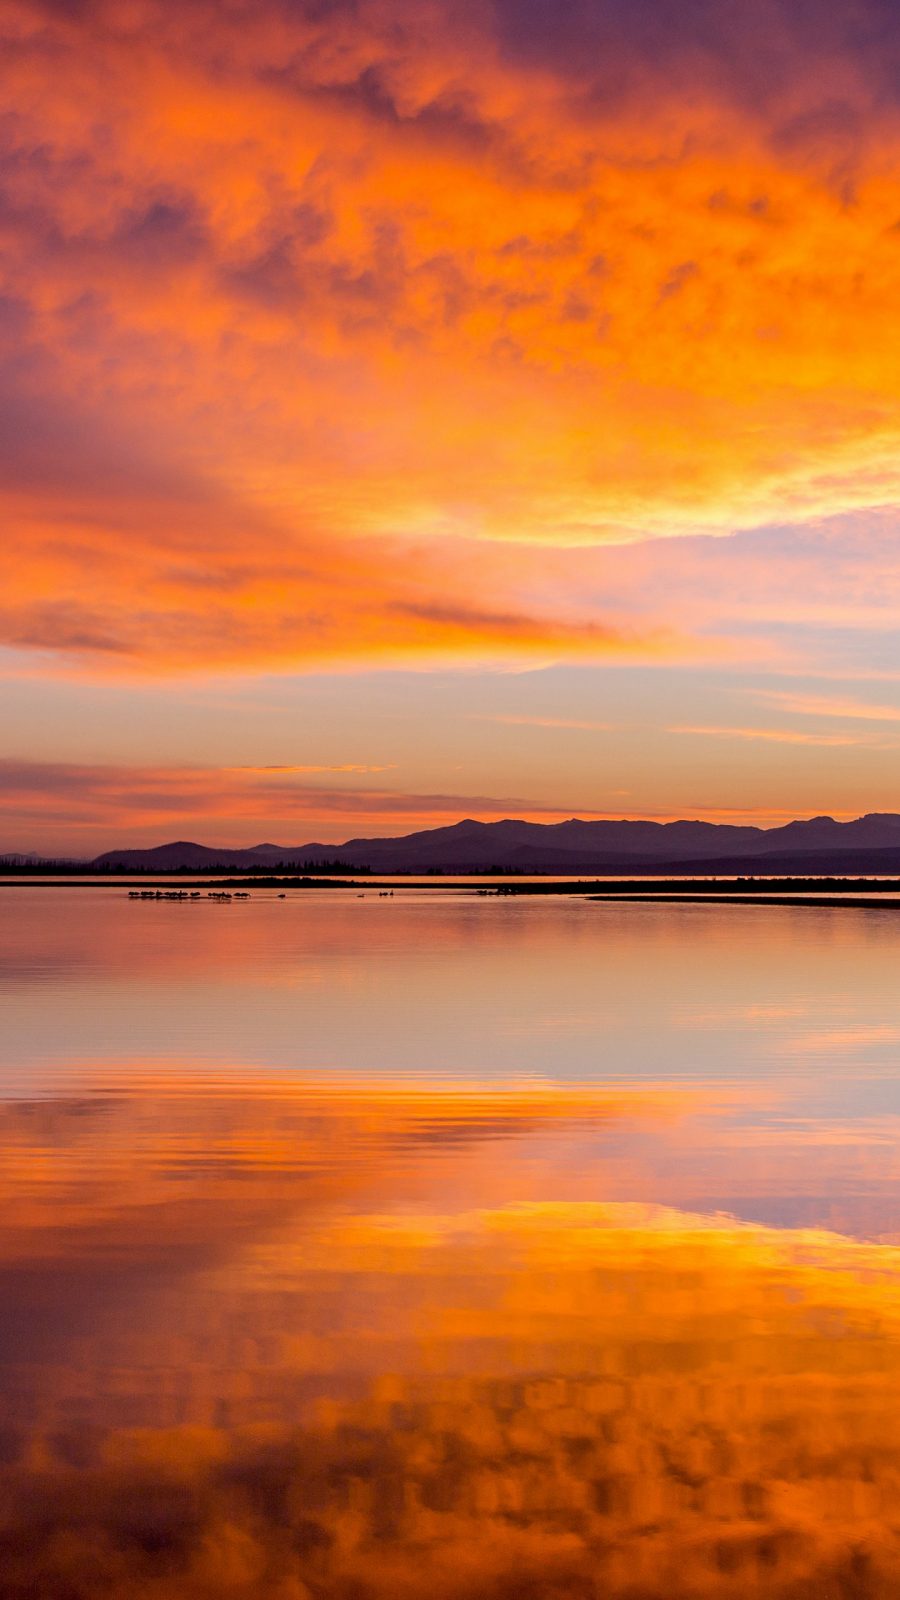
pixel 366 1248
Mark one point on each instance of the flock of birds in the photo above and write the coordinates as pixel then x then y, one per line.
pixel 217 894
pixel 188 894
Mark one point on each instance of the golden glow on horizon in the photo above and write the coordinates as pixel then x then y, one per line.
pixel 91 807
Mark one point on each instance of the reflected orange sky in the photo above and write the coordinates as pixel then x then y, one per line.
pixel 511 1249
pixel 295 1376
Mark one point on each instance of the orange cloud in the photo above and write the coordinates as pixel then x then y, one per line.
pixel 293 301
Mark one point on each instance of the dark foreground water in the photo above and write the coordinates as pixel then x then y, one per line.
pixel 447 1247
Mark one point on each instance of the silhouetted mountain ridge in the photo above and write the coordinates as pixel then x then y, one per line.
pixel 572 846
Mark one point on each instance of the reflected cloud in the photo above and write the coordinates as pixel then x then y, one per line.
pixel 605 1308
pixel 523 1401
pixel 844 1040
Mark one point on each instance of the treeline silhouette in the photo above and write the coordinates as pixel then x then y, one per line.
pixel 14 868
pixel 11 867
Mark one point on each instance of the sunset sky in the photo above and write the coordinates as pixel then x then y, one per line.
pixel 413 409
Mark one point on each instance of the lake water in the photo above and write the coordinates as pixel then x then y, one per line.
pixel 447 1246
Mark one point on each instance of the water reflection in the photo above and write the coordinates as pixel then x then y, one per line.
pixel 456 985
pixel 483 1334
pixel 541 1400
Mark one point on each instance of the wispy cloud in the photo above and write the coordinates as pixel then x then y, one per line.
pixel 840 708
pixel 787 736
pixel 273 771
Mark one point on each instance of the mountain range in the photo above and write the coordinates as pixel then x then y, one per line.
pixel 819 844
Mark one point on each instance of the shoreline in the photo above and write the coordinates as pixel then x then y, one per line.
pixel 810 902
pixel 858 893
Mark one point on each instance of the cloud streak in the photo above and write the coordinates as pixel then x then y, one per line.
pixel 789 736
pixel 42 801
pixel 839 708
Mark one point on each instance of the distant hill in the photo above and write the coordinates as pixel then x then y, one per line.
pixel 819 845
